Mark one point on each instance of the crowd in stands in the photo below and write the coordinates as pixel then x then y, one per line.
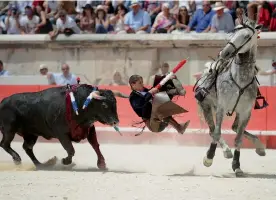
pixel 129 16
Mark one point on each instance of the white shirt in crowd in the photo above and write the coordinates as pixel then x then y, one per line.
pixel 69 23
pixel 29 25
pixel 60 79
pixel 12 29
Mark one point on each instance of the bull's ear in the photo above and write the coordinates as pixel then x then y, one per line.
pixel 119 94
pixel 258 26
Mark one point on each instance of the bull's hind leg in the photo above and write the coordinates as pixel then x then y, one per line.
pixel 8 137
pixel 92 139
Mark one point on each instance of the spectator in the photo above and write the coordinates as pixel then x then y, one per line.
pixel 182 20
pixel 239 14
pixel 12 21
pixel 20 5
pixel 153 8
pixel 102 21
pixel 118 20
pixel 29 22
pixel 126 3
pixel 43 69
pixel 63 78
pixel 87 19
pixel 264 15
pixel 69 7
pixel 137 20
pixel 2 27
pixel 81 5
pixel 202 19
pixel 117 79
pixel 221 21
pixel 52 8
pixel 3 72
pixel 65 24
pixel 45 26
pixel 163 21
pixel 109 8
pixel 4 7
pixel 272 26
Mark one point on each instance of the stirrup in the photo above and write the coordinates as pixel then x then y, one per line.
pixel 264 103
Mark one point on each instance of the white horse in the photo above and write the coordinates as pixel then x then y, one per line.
pixel 231 88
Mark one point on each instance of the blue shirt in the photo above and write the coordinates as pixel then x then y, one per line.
pixel 140 19
pixel 201 20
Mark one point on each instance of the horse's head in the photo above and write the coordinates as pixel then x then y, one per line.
pixel 244 39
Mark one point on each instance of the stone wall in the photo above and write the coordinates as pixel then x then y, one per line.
pixel 98 56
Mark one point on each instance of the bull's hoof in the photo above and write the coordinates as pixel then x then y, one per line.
pixel 228 154
pixel 50 162
pixel 207 162
pixel 101 165
pixel 17 161
pixel 260 151
pixel 238 172
pixel 66 161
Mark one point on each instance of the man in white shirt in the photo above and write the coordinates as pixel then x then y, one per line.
pixel 12 21
pixel 66 25
pixel 62 78
pixel 29 22
pixel 2 71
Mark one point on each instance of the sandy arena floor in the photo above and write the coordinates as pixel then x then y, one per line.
pixel 145 172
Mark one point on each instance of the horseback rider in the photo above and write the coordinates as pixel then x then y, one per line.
pixel 156 112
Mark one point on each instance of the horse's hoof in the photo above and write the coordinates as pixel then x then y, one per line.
pixel 66 161
pixel 228 154
pixel 238 172
pixel 260 151
pixel 207 162
pixel 50 162
pixel 101 165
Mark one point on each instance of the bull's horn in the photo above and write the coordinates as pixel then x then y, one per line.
pixel 119 94
pixel 94 94
pixel 117 129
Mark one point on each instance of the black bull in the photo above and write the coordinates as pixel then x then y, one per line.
pixel 45 114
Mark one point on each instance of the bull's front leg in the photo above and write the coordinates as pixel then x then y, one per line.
pixel 92 139
pixel 68 146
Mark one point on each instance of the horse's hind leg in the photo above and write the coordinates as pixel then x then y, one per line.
pixel 241 122
pixel 260 148
pixel 8 137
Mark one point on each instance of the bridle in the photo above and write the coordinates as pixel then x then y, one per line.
pixel 237 49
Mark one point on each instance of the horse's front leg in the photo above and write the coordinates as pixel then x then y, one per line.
pixel 208 159
pixel 242 122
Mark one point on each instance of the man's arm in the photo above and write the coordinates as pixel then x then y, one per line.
pixel 146 22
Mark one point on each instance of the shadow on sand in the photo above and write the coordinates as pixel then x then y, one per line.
pixel 192 173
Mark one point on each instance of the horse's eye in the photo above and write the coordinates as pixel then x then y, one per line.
pixel 246 37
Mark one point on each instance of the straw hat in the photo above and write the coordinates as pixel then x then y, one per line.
pixel 134 3
pixel 218 6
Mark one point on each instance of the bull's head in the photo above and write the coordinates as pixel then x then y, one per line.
pixel 105 106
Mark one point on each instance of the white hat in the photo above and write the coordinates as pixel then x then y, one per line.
pixel 43 66
pixel 134 2
pixel 165 5
pixel 218 6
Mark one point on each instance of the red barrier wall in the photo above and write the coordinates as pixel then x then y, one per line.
pixel 262 122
